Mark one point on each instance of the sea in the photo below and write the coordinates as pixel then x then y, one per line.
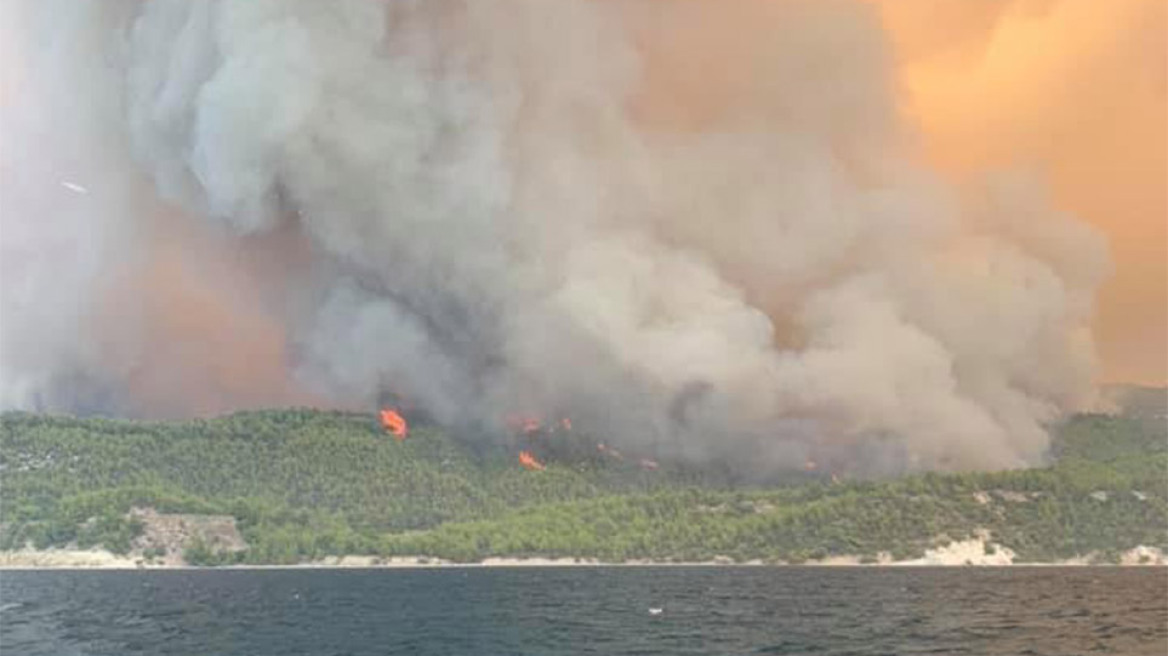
pixel 646 611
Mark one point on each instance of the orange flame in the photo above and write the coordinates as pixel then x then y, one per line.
pixel 648 464
pixel 394 424
pixel 566 424
pixel 529 462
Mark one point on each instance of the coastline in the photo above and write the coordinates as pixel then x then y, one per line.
pixel 968 553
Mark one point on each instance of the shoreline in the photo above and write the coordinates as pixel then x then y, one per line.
pixel 319 567
pixel 96 560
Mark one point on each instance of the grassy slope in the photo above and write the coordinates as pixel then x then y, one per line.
pixel 304 484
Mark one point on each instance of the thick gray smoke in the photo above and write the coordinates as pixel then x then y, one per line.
pixel 693 224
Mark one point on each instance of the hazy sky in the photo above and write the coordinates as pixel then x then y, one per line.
pixel 1077 90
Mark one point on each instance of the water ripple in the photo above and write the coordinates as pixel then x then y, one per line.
pixel 554 612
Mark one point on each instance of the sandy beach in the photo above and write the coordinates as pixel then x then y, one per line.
pixel 965 553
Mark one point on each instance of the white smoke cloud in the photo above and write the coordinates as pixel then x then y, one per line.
pixel 527 207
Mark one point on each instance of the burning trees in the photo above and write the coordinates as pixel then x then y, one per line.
pixel 394 424
pixel 529 462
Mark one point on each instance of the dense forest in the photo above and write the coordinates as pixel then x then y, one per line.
pixel 303 484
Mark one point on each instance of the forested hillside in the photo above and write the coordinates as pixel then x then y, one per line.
pixel 303 484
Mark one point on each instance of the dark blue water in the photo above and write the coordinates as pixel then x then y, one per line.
pixel 587 611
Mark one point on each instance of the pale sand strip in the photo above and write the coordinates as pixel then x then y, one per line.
pixel 957 554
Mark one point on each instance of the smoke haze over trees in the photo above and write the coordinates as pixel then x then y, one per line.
pixel 69 481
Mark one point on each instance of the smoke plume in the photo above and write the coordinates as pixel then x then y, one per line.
pixel 703 227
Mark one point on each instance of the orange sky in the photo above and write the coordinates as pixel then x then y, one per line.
pixel 1077 90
